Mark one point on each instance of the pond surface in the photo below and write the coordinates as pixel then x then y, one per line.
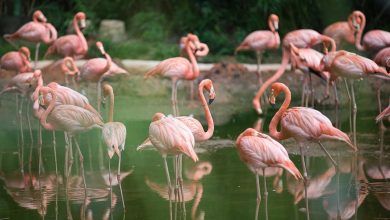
pixel 219 186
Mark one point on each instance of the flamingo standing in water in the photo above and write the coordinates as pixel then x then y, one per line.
pixel 170 136
pixel 114 134
pixel 60 71
pixel 179 68
pixel 303 38
pixel 259 41
pixel 384 113
pixel 37 31
pixel 73 45
pixel 373 40
pixel 97 69
pixel 18 61
pixel 344 31
pixel 351 66
pixel 259 151
pixel 71 119
pixel 303 124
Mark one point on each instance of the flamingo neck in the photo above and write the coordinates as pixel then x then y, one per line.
pixel 194 63
pixel 84 45
pixel 330 41
pixel 359 34
pixel 45 114
pixel 278 116
pixel 108 90
pixel 266 84
pixel 108 64
pixel 210 123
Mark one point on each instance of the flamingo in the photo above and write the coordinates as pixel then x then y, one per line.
pixel 344 30
pixel 179 68
pixel 37 31
pixel 259 151
pixel 203 50
pixel 18 61
pixel 302 38
pixel 60 71
pixel 309 61
pixel 259 41
pixel 303 124
pixel 70 119
pixel 72 45
pixel 114 134
pixel 170 136
pixel 373 40
pixel 97 69
pixel 348 65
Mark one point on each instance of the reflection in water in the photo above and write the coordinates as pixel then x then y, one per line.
pixel 192 187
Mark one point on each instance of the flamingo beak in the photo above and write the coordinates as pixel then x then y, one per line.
pixel 211 96
pixel 272 98
pixel 82 24
pixel 276 25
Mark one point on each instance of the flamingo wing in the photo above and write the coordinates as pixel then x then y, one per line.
pixel 194 125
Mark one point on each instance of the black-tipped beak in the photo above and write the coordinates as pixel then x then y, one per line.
pixel 211 101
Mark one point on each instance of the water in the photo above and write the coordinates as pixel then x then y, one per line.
pixel 220 186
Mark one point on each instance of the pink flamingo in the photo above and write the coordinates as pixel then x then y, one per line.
pixel 72 120
pixel 179 68
pixel 98 69
pixel 348 65
pixel 303 38
pixel 303 124
pixel 60 71
pixel 18 61
pixel 37 31
pixel 259 151
pixel 114 134
pixel 382 58
pixel 309 61
pixel 345 30
pixel 71 45
pixel 373 40
pixel 259 41
pixel 170 136
pixel 202 51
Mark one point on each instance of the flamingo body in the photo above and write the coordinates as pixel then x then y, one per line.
pixel 176 67
pixel 260 40
pixel 376 40
pixel 17 61
pixel 94 69
pixel 114 135
pixel 260 151
pixel 340 31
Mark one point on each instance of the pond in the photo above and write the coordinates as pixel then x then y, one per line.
pixel 219 186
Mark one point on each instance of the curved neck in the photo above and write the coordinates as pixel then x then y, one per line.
pixel 80 35
pixel 266 84
pixel 109 91
pixel 194 63
pixel 271 25
pixel 359 34
pixel 210 123
pixel 48 110
pixel 275 120
pixel 330 41
pixel 108 64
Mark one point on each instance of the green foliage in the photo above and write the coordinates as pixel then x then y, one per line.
pixel 150 26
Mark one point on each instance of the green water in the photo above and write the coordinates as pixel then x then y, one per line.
pixel 220 186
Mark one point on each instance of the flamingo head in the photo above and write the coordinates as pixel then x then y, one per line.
pixel 158 116
pixel 69 67
pixel 193 42
pixel 80 17
pixel 208 85
pixel 356 18
pixel 100 46
pixel 275 91
pixel 39 16
pixel 26 52
pixel 274 19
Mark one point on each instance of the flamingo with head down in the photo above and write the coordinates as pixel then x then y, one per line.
pixel 302 38
pixel 60 71
pixel 18 61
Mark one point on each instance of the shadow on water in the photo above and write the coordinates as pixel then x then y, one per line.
pixel 218 187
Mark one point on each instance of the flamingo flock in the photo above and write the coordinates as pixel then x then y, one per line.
pixel 60 106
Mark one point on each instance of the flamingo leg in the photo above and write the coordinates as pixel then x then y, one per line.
pixel 328 154
pixel 21 118
pixel 378 97
pixel 36 55
pixel 181 184
pixel 354 111
pixel 70 162
pixel 311 91
pixel 350 104
pixel 304 84
pixel 29 121
pixel 336 102
pixel 119 181
pixel 258 199
pixel 55 152
pixel 265 194
pixel 169 185
pixel 174 98
pixel 81 158
pixel 305 180
pixel 110 180
pixel 99 96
